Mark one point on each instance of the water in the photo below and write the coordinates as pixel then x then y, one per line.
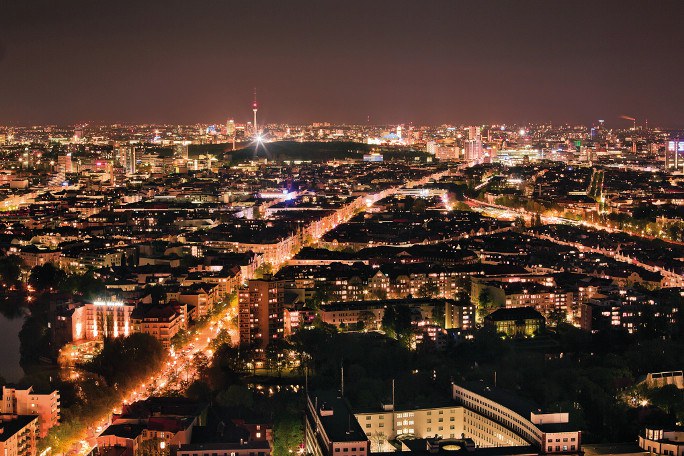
pixel 10 369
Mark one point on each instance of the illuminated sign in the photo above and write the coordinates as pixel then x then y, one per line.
pixel 108 303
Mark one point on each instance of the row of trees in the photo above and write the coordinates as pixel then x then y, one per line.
pixel 47 277
pixel 123 363
pixel 225 382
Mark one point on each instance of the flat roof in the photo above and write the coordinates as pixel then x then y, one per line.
pixel 520 405
pixel 341 425
pixel 124 430
pixel 256 445
pixel 506 398
pixel 11 424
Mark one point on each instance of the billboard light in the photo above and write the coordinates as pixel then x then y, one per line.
pixel 109 303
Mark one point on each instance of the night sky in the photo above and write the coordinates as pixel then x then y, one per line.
pixel 427 61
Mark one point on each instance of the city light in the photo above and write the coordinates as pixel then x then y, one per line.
pixel 109 303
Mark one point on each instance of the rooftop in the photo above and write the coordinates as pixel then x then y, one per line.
pixel 337 418
pixel 11 424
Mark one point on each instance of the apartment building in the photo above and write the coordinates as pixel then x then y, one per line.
pixel 17 401
pixel 18 434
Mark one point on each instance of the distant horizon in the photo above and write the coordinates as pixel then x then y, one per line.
pixel 608 125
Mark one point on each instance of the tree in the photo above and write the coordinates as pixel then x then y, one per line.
pixel 367 320
pixel 378 293
pixel 10 270
pixel 124 361
pixel 263 270
pixel 520 222
pixel 396 322
pixel 198 391
pixel 485 302
pixel 669 398
pixel 323 293
pixel 439 314
pixel 388 319
pixel 153 447
pixel 461 206
pixel 46 277
pixel 557 316
pixel 288 434
pixel 86 284
pixel 236 396
pixel 276 354
pixel 419 205
pixel 200 361
pixel 378 440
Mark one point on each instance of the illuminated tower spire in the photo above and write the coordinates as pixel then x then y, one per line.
pixel 255 109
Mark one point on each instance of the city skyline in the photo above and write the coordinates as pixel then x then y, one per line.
pixel 360 228
pixel 400 62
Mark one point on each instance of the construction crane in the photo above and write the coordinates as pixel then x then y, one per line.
pixel 629 118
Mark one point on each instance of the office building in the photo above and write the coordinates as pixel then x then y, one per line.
pixel 230 128
pixel 331 428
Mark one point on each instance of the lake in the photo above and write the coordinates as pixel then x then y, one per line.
pixel 10 369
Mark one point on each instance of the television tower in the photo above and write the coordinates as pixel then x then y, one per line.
pixel 255 108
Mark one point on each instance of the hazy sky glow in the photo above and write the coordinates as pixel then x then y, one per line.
pixel 427 61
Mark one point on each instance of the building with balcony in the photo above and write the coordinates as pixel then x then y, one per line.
pixel 46 407
pixel 18 434
pixel 159 321
pixel 260 312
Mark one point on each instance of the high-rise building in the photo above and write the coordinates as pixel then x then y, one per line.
pixel 78 134
pixel 473 150
pixel 18 434
pixel 473 146
pixel 260 315
pixel 474 133
pixel 230 128
pixel 130 159
pixel 431 147
pixel 26 402
pixel 673 150
pixel 64 163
